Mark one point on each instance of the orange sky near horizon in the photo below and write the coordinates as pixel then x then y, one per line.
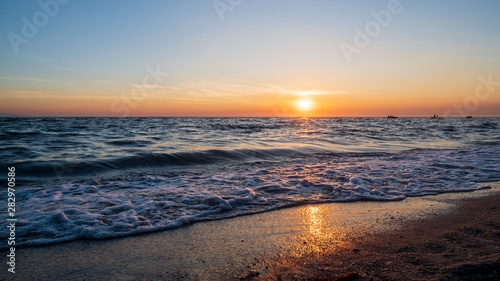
pixel 272 105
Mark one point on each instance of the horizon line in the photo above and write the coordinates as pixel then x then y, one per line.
pixel 309 117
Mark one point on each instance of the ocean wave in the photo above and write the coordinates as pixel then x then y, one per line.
pixel 106 177
pixel 143 161
pixel 107 207
pixel 22 133
pixel 134 143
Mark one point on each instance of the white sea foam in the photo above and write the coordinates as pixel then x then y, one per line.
pixel 119 206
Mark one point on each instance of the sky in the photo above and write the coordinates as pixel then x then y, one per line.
pixel 274 58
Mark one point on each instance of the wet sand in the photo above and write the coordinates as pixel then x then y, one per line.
pixel 463 244
pixel 422 237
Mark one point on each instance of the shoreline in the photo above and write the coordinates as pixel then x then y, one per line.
pixel 255 247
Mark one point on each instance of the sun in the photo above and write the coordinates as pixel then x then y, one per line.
pixel 304 104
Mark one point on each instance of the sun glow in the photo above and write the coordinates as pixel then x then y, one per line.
pixel 304 104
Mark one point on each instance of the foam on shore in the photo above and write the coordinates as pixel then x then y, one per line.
pixel 121 206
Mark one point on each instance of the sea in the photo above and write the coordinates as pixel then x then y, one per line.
pixel 96 178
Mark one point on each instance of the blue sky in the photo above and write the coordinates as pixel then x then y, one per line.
pixel 93 51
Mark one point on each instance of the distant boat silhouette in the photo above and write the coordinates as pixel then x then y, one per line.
pixel 391 116
pixel 435 116
pixel 468 116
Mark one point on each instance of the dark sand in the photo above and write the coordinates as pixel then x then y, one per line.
pixel 424 238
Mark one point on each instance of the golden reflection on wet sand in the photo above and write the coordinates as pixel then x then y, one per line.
pixel 314 221
pixel 322 231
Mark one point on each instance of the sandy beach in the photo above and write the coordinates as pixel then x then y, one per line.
pixel 451 236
